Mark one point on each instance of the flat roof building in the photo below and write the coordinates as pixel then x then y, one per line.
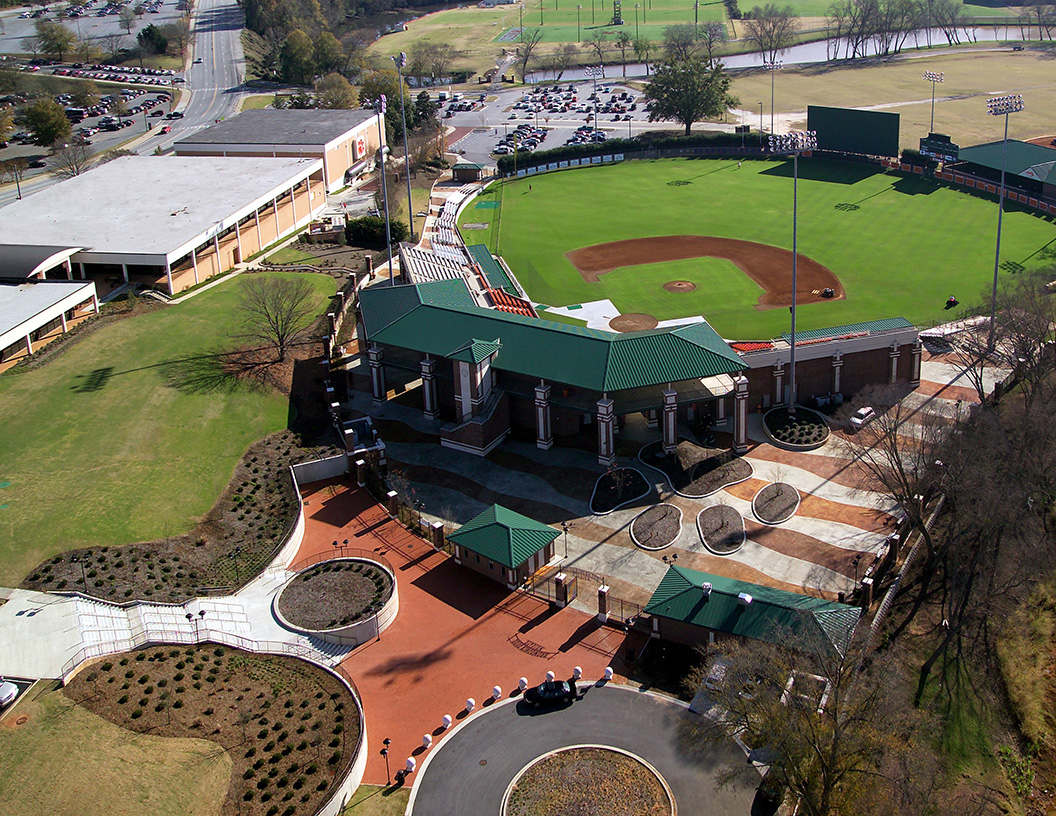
pixel 169 222
pixel 34 312
pixel 345 140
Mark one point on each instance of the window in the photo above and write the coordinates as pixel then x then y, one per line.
pixel 491 565
pixel 478 558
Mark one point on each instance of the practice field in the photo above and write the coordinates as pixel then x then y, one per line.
pixel 899 246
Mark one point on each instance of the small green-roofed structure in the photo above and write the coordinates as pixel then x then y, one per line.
pixel 1029 167
pixel 689 604
pixel 503 544
pixel 466 171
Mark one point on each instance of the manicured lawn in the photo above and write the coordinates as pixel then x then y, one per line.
pixel 66 761
pixel 899 245
pixel 257 101
pixel 293 254
pixel 100 449
pixel 373 800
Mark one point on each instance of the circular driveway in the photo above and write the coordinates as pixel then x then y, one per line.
pixel 470 770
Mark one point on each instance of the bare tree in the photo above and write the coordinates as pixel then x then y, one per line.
pixel 564 58
pixel 598 43
pixel 712 38
pixel 179 34
pixel 771 29
pixel 624 42
pixel 680 42
pixel 72 159
pixel 276 311
pixel 126 18
pixel 526 49
pixel 440 58
pixel 643 48
pixel 113 42
pixel 14 170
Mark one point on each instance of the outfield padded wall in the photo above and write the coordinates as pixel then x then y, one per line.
pixel 847 130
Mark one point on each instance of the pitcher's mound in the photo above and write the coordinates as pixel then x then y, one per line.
pixel 680 286
pixel 633 322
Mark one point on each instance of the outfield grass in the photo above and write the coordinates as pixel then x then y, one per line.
pixel 899 245
pixel 66 761
pixel 100 450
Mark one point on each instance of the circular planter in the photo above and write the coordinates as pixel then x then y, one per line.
pixel 649 528
pixel 353 629
pixel 721 529
pixel 636 476
pixel 773 434
pixel 776 503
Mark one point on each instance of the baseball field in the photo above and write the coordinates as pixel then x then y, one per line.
pixel 883 244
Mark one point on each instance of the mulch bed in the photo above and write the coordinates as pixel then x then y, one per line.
pixel 335 593
pixel 617 487
pixel 695 471
pixel 721 529
pixel 775 503
pixel 254 515
pixel 633 321
pixel 587 782
pixel 679 286
pixel 805 428
pixel 290 728
pixel 657 527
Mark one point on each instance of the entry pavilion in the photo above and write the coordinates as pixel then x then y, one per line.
pixel 504 545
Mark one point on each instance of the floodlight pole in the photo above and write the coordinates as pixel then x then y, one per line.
pixel 379 106
pixel 1000 106
pixel 401 62
pixel 760 122
pixel 933 77
pixel 579 28
pixel 772 66
pixel 636 7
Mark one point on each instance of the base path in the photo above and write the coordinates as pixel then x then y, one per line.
pixel 768 266
pixel 470 772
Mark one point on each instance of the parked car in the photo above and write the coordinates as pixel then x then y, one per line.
pixel 8 693
pixel 552 692
pixel 862 417
pixel 38 163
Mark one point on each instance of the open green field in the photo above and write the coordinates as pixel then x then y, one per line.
pixel 99 448
pixel 66 761
pixel 899 245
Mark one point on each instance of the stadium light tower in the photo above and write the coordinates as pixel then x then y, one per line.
pixel 579 28
pixel 772 67
pixel 793 144
pixel 1000 106
pixel 380 108
pixel 933 77
pixel 401 63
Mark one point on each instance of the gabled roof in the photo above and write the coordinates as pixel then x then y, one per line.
pixel 475 351
pixel 770 616
pixel 503 536
pixel 832 332
pixel 492 269
pixel 440 318
pixel 1024 159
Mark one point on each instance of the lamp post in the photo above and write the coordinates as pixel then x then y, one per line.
pixel 564 526
pixel 540 12
pixel 933 77
pixel 385 753
pixel 379 108
pixel 76 559
pixel 401 63
pixel 579 29
pixel 521 12
pixel 696 14
pixel 793 143
pixel 636 7
pixel 1000 106
pixel 772 67
pixel 418 503
pixel 856 561
pixel 760 122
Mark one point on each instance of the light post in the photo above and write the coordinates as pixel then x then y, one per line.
pixel 760 122
pixel 401 63
pixel 636 7
pixel 418 503
pixel 380 107
pixel 592 12
pixel 856 561
pixel 565 526
pixel 579 29
pixel 772 67
pixel 521 12
pixel 696 14
pixel 540 12
pixel 1000 106
pixel 793 143
pixel 385 753
pixel 933 77
pixel 76 559
pixel 592 71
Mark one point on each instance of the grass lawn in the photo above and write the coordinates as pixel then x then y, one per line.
pixel 292 254
pixel 66 761
pixel 879 233
pixel 373 800
pixel 257 101
pixel 99 449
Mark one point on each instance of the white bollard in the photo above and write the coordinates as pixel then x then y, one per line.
pixel 522 684
pixel 577 672
pixel 496 693
pixel 608 672
pixel 470 704
pixel 550 677
pixel 448 719
pixel 427 740
pixel 411 764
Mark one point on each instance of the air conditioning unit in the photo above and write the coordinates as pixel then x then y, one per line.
pixel 706 588
pixel 744 599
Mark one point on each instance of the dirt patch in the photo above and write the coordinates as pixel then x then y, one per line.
pixel 776 503
pixel 290 728
pixel 335 593
pixel 769 266
pixel 721 529
pixel 657 527
pixel 616 487
pixel 588 780
pixel 633 321
pixel 695 471
pixel 679 286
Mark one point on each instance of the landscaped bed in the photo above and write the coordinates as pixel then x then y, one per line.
pixel 617 487
pixel 775 503
pixel 588 781
pixel 721 529
pixel 658 527
pixel 290 728
pixel 805 429
pixel 695 471
pixel 335 593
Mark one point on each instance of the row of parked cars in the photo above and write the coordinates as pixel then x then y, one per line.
pixel 524 139
pixel 585 134
pixel 157 76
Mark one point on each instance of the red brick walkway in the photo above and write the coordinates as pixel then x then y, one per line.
pixel 457 633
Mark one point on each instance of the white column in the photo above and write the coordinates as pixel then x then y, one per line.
pixel 740 414
pixel 544 437
pixel 168 275
pixel 894 363
pixel 429 388
pixel 29 345
pixel 670 420
pixel 464 390
pixel 779 383
pixel 377 374
pixel 720 409
pixel 194 263
pixel 256 220
pixel 62 318
pixel 124 272
pixel 837 367
pixel 606 418
pixel 69 269
pixel 293 203
pixel 216 249
pixel 918 349
pixel 80 267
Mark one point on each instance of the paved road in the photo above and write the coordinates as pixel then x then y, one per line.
pixel 469 772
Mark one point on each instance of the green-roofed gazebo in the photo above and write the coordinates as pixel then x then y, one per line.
pixel 504 545
pixel 689 606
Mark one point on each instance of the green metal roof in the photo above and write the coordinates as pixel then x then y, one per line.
pixel 771 615
pixel 1024 159
pixel 475 350
pixel 493 270
pixel 465 164
pixel 868 326
pixel 441 320
pixel 504 536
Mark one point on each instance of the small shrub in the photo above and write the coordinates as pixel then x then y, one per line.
pixel 122 699
pixel 107 666
pixel 137 713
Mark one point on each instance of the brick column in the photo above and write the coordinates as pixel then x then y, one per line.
pixel 651 418
pixel 837 367
pixel 720 409
pixel 544 435
pixel 670 420
pixel 377 374
pixel 779 383
pixel 740 415
pixel 606 417
pixel 918 348
pixel 429 388
pixel 893 378
pixel 603 603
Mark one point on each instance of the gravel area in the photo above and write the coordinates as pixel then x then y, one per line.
pixel 721 529
pixel 695 471
pixel 335 593
pixel 657 527
pixel 776 503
